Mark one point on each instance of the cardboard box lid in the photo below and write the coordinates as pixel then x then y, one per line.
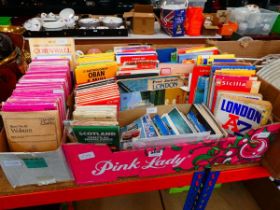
pixel 140 10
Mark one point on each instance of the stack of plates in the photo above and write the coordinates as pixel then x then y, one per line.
pixel 271 73
pixel 54 25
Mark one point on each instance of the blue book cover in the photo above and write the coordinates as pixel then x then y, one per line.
pixel 179 121
pixel 200 90
pixel 149 128
pixel 166 123
pixel 206 90
pixel 164 55
pixel 192 117
pixel 163 130
pixel 130 100
pixel 215 67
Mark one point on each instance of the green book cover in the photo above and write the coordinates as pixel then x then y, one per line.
pixel 160 97
pixel 98 134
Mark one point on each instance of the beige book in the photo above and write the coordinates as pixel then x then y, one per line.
pixel 33 131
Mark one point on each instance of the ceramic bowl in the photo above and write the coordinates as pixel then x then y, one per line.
pixel 34 24
pixel 89 22
pixel 112 22
pixel 49 17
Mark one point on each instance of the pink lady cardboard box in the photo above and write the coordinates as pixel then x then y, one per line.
pixel 96 163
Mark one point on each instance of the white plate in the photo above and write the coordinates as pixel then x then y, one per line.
pixel 67 13
pixel 54 29
pixel 53 25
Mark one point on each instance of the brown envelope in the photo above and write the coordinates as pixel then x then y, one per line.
pixel 32 131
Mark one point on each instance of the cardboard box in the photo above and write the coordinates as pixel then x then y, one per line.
pixel 257 49
pixel 97 163
pixel 143 19
pixel 271 159
pixel 3 141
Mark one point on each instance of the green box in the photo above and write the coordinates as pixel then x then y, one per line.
pixel 5 21
pixel 276 26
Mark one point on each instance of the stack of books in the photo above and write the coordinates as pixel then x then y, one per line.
pixel 136 61
pixel 97 100
pixel 230 89
pixel 198 119
pixel 37 107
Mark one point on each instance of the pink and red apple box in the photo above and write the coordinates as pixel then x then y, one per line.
pixel 96 163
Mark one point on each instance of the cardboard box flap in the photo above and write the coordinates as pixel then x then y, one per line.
pixel 211 27
pixel 144 15
pixel 143 8
pixel 128 14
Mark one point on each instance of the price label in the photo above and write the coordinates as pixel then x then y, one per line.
pixel 86 156
pixel 152 110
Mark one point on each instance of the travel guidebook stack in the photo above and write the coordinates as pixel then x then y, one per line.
pixel 97 100
pixel 232 93
pixel 224 92
pixel 34 114
pixel 174 123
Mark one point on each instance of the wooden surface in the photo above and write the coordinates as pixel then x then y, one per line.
pixel 140 201
pixel 265 192
pixel 232 196
pixel 7 189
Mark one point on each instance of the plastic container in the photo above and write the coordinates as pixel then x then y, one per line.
pixel 194 17
pixel 197 3
pixel 172 17
pixel 253 23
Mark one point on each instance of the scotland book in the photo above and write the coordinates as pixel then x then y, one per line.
pixel 97 134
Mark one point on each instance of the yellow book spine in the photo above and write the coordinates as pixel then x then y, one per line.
pixel 94 73
pixel 236 72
